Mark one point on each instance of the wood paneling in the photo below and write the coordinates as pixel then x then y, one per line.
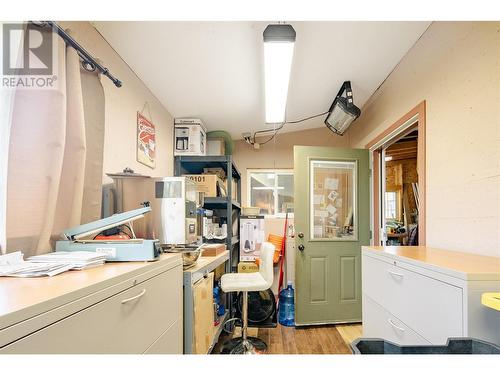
pixel 402 150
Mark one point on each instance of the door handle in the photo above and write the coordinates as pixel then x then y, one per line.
pixel 395 325
pixel 301 247
pixel 300 234
pixel 134 297
pixel 396 274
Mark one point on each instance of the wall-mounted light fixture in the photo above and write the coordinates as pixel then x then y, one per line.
pixel 342 112
pixel 279 42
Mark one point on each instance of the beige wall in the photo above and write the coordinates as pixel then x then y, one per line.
pixel 121 109
pixel 455 68
pixel 279 154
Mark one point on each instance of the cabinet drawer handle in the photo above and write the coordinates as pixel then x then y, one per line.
pixel 395 325
pixel 396 274
pixel 134 297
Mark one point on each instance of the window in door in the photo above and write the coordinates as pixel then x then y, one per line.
pixel 333 199
pixel 271 190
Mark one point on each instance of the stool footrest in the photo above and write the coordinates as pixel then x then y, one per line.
pixel 253 345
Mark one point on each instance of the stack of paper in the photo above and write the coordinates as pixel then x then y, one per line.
pixel 79 260
pixel 48 264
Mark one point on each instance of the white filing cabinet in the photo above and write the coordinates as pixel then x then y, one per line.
pixel 415 300
pixel 140 312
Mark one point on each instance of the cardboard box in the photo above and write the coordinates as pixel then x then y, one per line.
pixel 247 267
pixel 208 184
pixel 219 271
pixel 190 137
pixel 216 146
pixel 203 314
pixel 213 249
pixel 251 237
pixel 234 189
pixel 216 170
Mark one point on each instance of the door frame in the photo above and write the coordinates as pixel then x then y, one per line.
pixel 415 115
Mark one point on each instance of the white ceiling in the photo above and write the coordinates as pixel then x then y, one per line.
pixel 214 70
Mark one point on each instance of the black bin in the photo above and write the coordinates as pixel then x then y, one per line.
pixel 460 345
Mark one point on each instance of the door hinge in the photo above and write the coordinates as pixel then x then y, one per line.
pixel 371 235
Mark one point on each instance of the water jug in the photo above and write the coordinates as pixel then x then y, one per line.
pixel 286 310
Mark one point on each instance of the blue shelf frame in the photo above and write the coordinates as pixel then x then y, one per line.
pixel 223 206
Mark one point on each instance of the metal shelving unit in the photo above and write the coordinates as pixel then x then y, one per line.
pixel 226 207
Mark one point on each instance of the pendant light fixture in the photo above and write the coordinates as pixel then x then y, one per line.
pixel 279 42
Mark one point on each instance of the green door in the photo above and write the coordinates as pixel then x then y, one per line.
pixel 332 222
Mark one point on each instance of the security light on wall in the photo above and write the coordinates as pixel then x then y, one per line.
pixel 279 42
pixel 342 112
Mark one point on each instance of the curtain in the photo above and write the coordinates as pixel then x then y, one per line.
pixel 55 157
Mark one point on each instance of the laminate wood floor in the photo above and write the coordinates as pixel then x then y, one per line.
pixel 328 339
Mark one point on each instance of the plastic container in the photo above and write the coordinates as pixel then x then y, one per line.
pixel 250 211
pixel 220 309
pixel 286 310
pixel 462 345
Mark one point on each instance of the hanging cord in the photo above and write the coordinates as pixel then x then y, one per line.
pixel 276 130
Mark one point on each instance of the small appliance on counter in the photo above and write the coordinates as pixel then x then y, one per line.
pixel 174 211
pixel 127 192
pixel 116 248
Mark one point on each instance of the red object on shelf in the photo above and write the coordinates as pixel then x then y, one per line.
pixel 116 237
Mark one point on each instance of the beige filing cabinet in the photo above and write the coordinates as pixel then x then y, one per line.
pixel 416 295
pixel 132 307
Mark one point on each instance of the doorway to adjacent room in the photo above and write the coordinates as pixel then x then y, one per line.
pixel 398 183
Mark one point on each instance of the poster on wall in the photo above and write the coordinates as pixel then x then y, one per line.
pixel 146 142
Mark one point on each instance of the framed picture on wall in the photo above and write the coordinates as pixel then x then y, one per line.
pixel 146 141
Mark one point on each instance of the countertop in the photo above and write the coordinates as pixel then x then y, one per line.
pixel 466 266
pixel 491 300
pixel 23 298
pixel 203 266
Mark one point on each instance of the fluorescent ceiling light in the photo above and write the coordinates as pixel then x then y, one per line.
pixel 388 158
pixel 279 41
